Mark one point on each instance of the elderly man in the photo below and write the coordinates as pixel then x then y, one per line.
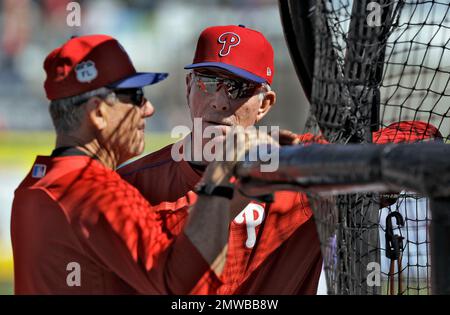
pixel 273 248
pixel 77 227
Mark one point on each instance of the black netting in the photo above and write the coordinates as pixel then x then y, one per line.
pixel 372 76
pixel 379 78
pixel 352 240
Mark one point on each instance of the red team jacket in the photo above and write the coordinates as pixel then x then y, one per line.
pixel 74 210
pixel 272 249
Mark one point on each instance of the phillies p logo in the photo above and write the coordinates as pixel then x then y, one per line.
pixel 228 40
pixel 252 216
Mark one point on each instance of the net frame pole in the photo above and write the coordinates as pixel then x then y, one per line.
pixel 440 245
pixel 297 18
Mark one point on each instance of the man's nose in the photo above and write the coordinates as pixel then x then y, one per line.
pixel 147 109
pixel 220 102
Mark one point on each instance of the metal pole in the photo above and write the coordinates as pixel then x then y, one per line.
pixel 440 245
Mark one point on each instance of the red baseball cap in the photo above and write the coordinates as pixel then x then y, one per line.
pixel 90 62
pixel 237 49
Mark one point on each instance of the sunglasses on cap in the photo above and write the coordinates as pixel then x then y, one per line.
pixel 234 88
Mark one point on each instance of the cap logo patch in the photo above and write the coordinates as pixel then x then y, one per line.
pixel 86 71
pixel 228 40
pixel 269 72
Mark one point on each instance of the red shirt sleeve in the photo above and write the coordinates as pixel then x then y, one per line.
pixel 123 232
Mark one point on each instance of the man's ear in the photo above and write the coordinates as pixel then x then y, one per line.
pixel 97 113
pixel 269 100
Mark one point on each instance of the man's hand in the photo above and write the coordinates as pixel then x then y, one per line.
pixel 285 137
pixel 238 142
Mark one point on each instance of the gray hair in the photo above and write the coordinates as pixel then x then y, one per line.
pixel 67 113
pixel 262 94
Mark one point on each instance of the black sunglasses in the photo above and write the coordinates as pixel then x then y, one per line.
pixel 234 88
pixel 133 96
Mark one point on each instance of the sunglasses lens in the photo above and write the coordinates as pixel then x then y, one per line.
pixel 232 87
pixel 247 90
pixel 235 89
pixel 207 85
pixel 133 96
pixel 138 97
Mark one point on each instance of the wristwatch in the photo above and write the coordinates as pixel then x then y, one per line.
pixel 212 190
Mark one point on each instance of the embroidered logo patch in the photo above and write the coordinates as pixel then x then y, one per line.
pixel 86 71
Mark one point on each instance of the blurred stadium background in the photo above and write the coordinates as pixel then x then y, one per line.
pixel 159 36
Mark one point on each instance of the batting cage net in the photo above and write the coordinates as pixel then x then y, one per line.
pixel 381 75
pixel 382 71
pixel 378 63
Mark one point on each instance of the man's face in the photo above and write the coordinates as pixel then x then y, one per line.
pixel 215 107
pixel 124 132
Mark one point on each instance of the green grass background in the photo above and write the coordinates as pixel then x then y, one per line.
pixel 18 151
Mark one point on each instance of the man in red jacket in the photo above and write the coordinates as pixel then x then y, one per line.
pixel 77 227
pixel 273 248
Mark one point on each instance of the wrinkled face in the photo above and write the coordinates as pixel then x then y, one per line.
pixel 214 105
pixel 222 103
pixel 124 131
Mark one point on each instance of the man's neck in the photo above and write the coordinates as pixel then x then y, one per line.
pixel 91 148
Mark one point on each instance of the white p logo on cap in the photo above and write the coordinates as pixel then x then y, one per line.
pixel 228 40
